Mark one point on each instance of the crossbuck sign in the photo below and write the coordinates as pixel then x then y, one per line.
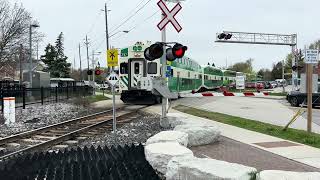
pixel 169 16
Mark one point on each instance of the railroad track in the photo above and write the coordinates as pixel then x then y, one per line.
pixel 64 134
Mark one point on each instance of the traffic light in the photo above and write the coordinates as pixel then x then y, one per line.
pixel 89 72
pixel 224 36
pixel 177 51
pixel 155 51
pixel 97 72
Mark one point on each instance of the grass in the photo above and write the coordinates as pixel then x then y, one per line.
pixel 96 98
pixel 107 91
pixel 299 136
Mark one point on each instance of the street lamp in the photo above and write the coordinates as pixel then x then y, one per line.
pixel 30 54
pixel 117 33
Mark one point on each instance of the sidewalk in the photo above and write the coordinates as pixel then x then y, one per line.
pixel 287 149
pixel 108 103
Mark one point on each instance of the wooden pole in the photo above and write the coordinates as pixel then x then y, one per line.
pixel 309 91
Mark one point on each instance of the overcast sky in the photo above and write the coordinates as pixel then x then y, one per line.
pixel 200 19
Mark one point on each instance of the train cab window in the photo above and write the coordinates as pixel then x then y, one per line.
pixel 136 68
pixel 152 68
pixel 200 76
pixel 124 68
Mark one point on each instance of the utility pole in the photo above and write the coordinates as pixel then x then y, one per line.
pixel 30 56
pixel 93 68
pixel 74 63
pixel 164 69
pixel 107 31
pixel 283 90
pixel 30 52
pixel 37 50
pixel 87 43
pixel 20 63
pixel 81 77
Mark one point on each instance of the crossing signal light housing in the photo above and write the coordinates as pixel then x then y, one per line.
pixel 155 51
pixel 294 68
pixel 177 51
pixel 89 72
pixel 225 36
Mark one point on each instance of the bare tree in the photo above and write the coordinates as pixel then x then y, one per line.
pixel 14 26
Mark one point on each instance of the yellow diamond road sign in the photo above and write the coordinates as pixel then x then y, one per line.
pixel 112 57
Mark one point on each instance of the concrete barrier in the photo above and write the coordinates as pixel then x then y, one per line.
pixel 169 136
pixel 159 154
pixel 185 168
pixel 199 134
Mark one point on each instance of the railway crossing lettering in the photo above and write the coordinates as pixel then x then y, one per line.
pixel 169 16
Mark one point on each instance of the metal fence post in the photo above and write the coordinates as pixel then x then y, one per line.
pixel 56 93
pixel 23 97
pixel 41 95
pixel 67 92
pixel 2 103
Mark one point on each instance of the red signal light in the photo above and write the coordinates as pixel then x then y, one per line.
pixel 179 50
pixel 97 72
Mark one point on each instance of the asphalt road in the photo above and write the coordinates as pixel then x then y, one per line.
pixel 270 109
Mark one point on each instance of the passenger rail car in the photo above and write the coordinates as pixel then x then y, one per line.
pixel 186 75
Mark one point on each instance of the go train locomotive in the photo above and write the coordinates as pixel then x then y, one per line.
pixel 186 76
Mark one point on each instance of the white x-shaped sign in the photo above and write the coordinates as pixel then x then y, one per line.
pixel 169 16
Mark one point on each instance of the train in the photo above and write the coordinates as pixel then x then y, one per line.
pixel 186 75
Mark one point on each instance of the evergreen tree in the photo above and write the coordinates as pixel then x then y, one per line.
pixel 55 59
pixel 59 46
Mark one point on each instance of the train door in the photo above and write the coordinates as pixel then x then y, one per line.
pixel 137 70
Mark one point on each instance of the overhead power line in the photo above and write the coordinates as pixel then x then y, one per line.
pixel 130 17
pixel 139 24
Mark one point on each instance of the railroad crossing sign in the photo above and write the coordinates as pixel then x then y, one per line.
pixel 112 57
pixel 169 16
pixel 113 78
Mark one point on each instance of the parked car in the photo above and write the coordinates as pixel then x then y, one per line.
pixel 274 84
pixel 250 85
pixel 232 85
pixel 264 84
pixel 296 98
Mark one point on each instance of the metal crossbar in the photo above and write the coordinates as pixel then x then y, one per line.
pixel 259 38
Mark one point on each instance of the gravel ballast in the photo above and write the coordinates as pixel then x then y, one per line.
pixel 36 116
pixel 135 132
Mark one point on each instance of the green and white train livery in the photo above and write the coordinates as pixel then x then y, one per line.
pixel 186 75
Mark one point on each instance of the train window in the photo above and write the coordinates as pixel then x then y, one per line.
pixel 136 68
pixel 200 76
pixel 124 68
pixel 188 74
pixel 205 77
pixel 221 78
pixel 152 68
